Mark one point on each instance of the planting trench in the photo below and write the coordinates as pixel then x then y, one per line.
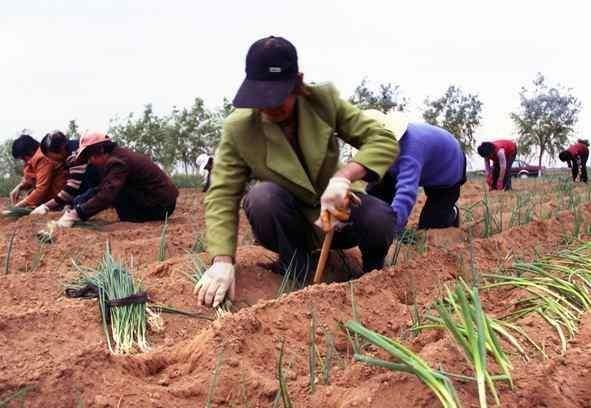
pixel 56 345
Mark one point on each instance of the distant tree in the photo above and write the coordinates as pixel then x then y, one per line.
pixel 175 141
pixel 148 134
pixel 219 115
pixel 545 119
pixel 226 109
pixel 385 98
pixel 458 112
pixel 73 130
pixel 194 132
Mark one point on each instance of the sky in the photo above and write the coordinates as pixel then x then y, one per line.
pixel 95 60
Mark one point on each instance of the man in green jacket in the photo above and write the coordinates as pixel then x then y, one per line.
pixel 285 135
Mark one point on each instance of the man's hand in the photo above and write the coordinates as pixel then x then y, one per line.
pixel 499 184
pixel 15 194
pixel 41 210
pixel 215 283
pixel 68 219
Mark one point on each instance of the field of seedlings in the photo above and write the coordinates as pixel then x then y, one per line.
pixel 495 313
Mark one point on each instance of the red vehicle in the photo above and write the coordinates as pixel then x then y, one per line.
pixel 522 170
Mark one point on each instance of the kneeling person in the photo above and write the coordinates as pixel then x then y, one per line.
pixel 131 183
pixel 285 135
pixel 79 176
pixel 44 177
pixel 432 158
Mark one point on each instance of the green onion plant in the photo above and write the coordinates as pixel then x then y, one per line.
pixel 557 287
pixel 196 270
pixel 282 392
pixel 295 276
pixel 162 243
pixel 405 361
pixel 9 252
pixel 461 313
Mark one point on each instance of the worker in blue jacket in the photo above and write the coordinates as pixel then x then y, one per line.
pixel 432 158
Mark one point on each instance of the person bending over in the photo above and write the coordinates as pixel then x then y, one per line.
pixel 502 154
pixel 80 177
pixel 432 158
pixel 44 177
pixel 576 158
pixel 131 183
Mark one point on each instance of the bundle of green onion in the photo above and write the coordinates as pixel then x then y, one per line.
pixel 122 303
pixel 15 213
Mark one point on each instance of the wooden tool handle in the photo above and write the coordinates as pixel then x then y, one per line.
pixel 324 252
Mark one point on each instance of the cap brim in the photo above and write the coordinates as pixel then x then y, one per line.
pixel 263 94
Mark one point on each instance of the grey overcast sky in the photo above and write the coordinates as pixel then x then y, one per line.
pixel 94 60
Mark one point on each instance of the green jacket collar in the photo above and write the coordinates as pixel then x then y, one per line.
pixel 313 137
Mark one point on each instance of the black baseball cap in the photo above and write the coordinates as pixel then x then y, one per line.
pixel 271 74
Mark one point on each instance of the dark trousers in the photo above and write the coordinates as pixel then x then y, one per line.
pixel 438 211
pixel 279 225
pixel 208 167
pixel 497 172
pixel 128 208
pixel 207 181
pixel 582 162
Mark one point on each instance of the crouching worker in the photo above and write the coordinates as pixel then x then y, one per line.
pixel 502 153
pixel 79 176
pixel 285 133
pixel 42 175
pixel 432 158
pixel 576 158
pixel 130 182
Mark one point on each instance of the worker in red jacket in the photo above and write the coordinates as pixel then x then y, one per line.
pixel 576 158
pixel 502 153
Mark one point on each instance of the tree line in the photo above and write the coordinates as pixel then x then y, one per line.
pixel 546 117
pixel 544 122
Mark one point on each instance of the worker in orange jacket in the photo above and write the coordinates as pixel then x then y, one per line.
pixel 43 176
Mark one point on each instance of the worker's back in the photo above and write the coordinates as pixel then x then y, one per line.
pixel 144 177
pixel 436 151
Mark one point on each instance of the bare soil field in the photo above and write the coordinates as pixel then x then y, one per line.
pixel 55 346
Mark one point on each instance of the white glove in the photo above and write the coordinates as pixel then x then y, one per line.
pixel 15 194
pixel 335 200
pixel 68 219
pixel 336 195
pixel 41 210
pixel 215 283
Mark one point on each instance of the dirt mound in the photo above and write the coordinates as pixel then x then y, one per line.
pixel 56 345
